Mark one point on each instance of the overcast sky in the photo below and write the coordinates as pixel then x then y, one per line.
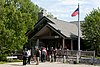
pixel 62 9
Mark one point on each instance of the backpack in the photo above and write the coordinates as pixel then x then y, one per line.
pixel 25 54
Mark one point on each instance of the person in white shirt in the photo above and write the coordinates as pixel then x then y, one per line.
pixel 29 56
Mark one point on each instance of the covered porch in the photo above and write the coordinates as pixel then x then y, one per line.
pixel 49 37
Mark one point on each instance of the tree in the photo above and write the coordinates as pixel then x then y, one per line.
pixel 48 14
pixel 91 30
pixel 16 17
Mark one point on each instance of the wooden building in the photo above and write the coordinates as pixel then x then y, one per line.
pixel 50 32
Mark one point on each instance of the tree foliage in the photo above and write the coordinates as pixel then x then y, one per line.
pixel 91 30
pixel 16 17
pixel 48 14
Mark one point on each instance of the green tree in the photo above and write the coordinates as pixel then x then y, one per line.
pixel 50 15
pixel 91 30
pixel 16 17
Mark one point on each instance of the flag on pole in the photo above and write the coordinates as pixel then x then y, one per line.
pixel 75 12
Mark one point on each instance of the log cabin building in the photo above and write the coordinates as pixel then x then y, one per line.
pixel 51 32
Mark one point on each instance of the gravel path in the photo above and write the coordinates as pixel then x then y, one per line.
pixel 46 64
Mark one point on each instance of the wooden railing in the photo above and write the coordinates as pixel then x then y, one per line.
pixel 72 55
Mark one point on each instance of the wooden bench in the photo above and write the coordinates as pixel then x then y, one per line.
pixel 10 58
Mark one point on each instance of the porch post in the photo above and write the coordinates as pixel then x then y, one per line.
pixel 30 43
pixel 71 44
pixel 37 45
pixel 63 51
pixel 63 43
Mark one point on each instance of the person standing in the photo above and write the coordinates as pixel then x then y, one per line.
pixel 37 56
pixel 34 54
pixel 44 54
pixel 55 54
pixel 29 56
pixel 24 56
pixel 52 54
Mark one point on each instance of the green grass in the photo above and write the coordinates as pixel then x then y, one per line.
pixel 1 62
pixel 17 60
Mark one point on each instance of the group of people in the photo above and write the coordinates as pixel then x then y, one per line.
pixel 38 55
pixel 26 56
pixel 52 55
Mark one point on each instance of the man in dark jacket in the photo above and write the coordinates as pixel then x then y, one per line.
pixel 24 56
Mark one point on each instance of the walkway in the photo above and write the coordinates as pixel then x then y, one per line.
pixel 46 64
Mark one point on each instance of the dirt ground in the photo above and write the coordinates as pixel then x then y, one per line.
pixel 45 64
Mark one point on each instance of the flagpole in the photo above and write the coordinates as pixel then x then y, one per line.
pixel 78 29
pixel 78 53
pixel 77 11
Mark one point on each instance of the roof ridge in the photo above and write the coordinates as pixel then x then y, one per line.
pixel 57 19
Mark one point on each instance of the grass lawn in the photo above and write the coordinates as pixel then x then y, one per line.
pixel 2 62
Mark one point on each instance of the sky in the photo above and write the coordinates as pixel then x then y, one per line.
pixel 62 9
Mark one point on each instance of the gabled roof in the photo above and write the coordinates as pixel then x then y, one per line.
pixel 40 20
pixel 66 29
